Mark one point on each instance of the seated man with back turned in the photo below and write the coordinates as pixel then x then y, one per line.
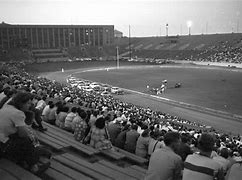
pixel 165 164
pixel 201 166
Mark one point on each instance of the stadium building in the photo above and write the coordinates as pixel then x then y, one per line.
pixel 55 36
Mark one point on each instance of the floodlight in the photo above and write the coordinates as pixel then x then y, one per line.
pixel 189 24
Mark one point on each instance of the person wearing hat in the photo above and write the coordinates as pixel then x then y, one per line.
pixel 201 166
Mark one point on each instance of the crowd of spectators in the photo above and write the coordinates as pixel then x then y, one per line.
pixel 173 146
pixel 223 52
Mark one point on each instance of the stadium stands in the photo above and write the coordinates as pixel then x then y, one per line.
pixel 196 47
pixel 74 160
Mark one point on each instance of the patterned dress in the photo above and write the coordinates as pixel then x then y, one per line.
pixel 99 139
pixel 60 119
pixel 80 130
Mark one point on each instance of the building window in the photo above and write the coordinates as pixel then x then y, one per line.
pixel 45 34
pixel 40 43
pixel 51 38
pixel 56 35
pixel 76 37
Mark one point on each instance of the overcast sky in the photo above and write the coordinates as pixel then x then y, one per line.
pixel 145 17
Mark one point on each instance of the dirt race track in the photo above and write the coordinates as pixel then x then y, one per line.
pixel 216 92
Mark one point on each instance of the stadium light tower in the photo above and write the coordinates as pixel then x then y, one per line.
pixel 167 28
pixel 189 25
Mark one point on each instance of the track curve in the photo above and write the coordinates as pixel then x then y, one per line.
pixel 220 121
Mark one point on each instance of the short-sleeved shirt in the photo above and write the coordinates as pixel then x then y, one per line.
pixel 131 141
pixel 40 105
pixel 60 119
pixel 46 111
pixel 164 164
pixel 200 167
pixel 52 114
pixel 11 118
pixel 92 120
pixel 154 145
pixel 235 171
pixel 113 130
pixel 99 139
pixel 69 118
pixel 225 163
pixel 142 146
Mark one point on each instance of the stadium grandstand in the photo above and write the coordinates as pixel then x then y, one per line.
pixel 64 42
pixel 195 47
pixel 88 134
pixel 120 90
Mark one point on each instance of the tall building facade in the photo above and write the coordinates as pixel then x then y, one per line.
pixel 55 36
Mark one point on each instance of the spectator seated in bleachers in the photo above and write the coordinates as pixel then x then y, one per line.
pixel 14 134
pixel 143 144
pixel 98 135
pixel 121 138
pixel 114 128
pixel 80 125
pixel 69 119
pixel 201 165
pixel 156 142
pixel 235 172
pixel 131 139
pixel 165 163
pixel 43 153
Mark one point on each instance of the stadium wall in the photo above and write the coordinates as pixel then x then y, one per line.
pixel 55 36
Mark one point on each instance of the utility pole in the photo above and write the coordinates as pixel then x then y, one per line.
pixel 117 58
pixel 130 53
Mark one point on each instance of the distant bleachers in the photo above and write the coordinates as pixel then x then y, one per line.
pixel 148 46
pixel 183 47
pixel 180 47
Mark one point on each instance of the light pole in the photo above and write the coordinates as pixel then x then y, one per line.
pixel 189 25
pixel 117 58
pixel 130 53
pixel 167 26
